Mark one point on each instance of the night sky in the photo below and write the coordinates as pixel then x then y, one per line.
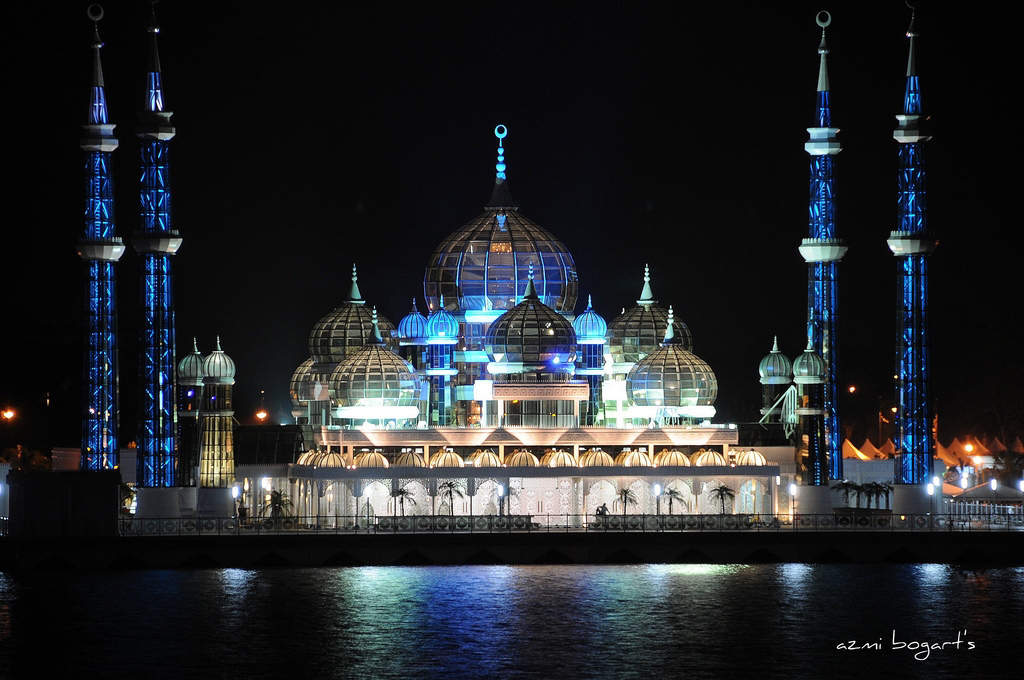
pixel 319 134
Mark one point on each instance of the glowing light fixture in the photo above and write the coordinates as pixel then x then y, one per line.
pixel 993 484
pixel 8 414
pixel 931 489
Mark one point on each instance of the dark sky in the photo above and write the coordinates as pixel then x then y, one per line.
pixel 319 134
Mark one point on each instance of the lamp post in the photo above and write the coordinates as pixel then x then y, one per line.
pixel 657 498
pixel 792 499
pixel 501 500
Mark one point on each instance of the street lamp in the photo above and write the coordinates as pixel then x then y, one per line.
pixel 8 414
pixel 501 500
pixel 792 498
pixel 993 483
pixel 657 498
pixel 261 415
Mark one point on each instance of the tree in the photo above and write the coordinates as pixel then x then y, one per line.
pixel 859 491
pixel 847 487
pixel 279 504
pixel 674 495
pixel 628 498
pixel 400 495
pixel 723 492
pixel 450 489
pixel 884 489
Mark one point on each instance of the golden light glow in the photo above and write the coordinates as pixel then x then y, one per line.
pixel 8 414
pixel 261 415
pixel 968 447
pixel 894 409
pixel 852 388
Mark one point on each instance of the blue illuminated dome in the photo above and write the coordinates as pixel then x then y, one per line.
pixel 590 327
pixel 483 265
pixel 442 324
pixel 776 367
pixel 190 368
pixel 413 324
pixel 532 334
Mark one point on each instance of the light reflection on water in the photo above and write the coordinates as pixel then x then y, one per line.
pixel 603 621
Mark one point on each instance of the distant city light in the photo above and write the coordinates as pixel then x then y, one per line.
pixel 8 414
pixel 261 415
pixel 852 388
pixel 894 409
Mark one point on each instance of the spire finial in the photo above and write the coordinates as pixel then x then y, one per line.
pixel 647 294
pixel 501 197
pixel 218 344
pixel 911 34
pixel 353 294
pixel 195 345
pixel 775 344
pixel 98 97
pixel 376 329
pixel 414 309
pixel 670 334
pixel 154 80
pixel 441 304
pixel 823 20
pixel 590 302
pixel 531 290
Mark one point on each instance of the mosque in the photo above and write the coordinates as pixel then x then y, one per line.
pixel 507 396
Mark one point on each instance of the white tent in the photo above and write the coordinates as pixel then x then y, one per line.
pixel 851 451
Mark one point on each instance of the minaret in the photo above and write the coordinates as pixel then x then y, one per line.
pixel 156 242
pixel 190 399
pixel 100 248
pixel 591 330
pixel 810 373
pixel 217 421
pixel 822 250
pixel 442 336
pixel 775 373
pixel 912 243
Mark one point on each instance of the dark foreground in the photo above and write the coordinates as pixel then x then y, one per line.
pixel 689 621
pixel 248 551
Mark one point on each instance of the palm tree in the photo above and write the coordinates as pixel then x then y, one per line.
pixel 279 504
pixel 673 495
pixel 628 498
pixel 885 489
pixel 847 487
pixel 450 489
pixel 858 490
pixel 400 495
pixel 723 492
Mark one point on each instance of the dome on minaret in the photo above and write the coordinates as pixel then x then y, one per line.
pixel 413 325
pixel 809 366
pixel 190 368
pixel 218 367
pixel 532 334
pixel 673 380
pixel 639 330
pixel 590 326
pixel 442 324
pixel 775 368
pixel 345 329
pixel 483 265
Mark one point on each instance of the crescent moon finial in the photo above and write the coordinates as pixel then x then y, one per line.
pixel 823 19
pixel 95 12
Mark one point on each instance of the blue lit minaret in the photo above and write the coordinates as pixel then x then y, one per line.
pixel 591 330
pixel 442 336
pixel 156 242
pixel 100 248
pixel 822 250
pixel 912 243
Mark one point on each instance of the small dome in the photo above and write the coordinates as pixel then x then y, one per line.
pixel 345 329
pixel 671 458
pixel 522 458
pixel 409 459
pixel 306 458
pixel 532 334
pixel 447 459
pixel 370 459
pixel 639 330
pixel 327 460
pixel 413 325
pixel 553 458
pixel 376 377
pixel 596 458
pixel 750 457
pixel 442 324
pixel 775 368
pixel 218 368
pixel 300 378
pixel 190 368
pixel 672 377
pixel 809 367
pixel 636 458
pixel 706 458
pixel 590 327
pixel 485 458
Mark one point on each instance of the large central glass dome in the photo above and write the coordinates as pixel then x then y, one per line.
pixel 485 264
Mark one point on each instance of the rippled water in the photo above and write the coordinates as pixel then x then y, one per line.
pixel 593 621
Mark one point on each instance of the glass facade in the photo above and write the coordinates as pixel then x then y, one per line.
pixel 375 376
pixel 532 334
pixel 485 265
pixel 343 330
pixel 672 377
pixel 639 332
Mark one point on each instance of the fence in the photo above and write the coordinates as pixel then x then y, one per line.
pixel 349 524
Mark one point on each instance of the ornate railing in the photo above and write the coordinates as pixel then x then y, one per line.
pixel 349 524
